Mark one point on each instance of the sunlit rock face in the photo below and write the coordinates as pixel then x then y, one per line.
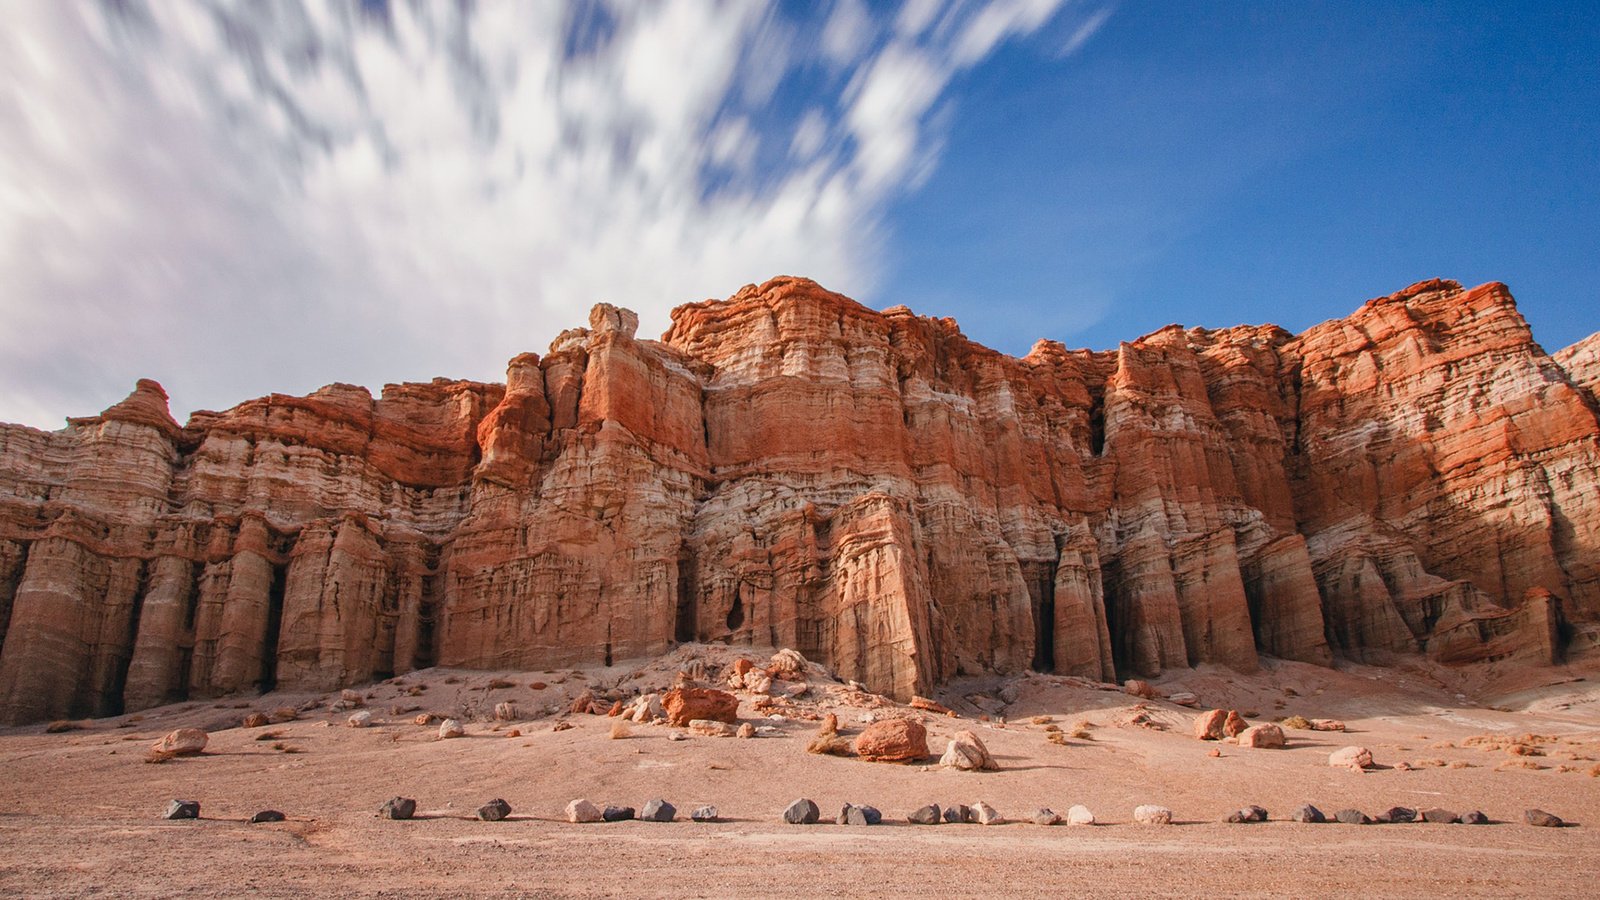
pixel 790 468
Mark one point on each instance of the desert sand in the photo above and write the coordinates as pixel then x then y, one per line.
pixel 80 810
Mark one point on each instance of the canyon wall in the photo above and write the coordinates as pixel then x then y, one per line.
pixel 787 467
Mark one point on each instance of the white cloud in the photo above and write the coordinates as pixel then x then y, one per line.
pixel 242 197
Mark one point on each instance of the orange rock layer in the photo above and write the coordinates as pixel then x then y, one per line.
pixel 787 467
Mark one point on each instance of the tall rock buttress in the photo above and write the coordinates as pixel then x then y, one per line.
pixel 787 467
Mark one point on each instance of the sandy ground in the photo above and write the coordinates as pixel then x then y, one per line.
pixel 79 810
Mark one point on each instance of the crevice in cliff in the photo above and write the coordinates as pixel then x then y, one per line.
pixel 683 629
pixel 112 701
pixel 15 562
pixel 1097 418
pixel 269 649
pixel 736 612
pixel 1041 580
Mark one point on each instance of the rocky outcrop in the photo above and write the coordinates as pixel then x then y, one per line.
pixel 790 468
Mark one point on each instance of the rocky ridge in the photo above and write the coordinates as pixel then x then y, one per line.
pixel 790 468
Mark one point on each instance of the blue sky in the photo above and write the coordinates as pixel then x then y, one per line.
pixel 236 197
pixel 1218 163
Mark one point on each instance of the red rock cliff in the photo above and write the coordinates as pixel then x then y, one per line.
pixel 789 467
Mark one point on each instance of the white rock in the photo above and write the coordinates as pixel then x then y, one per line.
pixel 359 719
pixel 1357 758
pixel 984 814
pixel 966 751
pixel 1080 815
pixel 450 728
pixel 1150 814
pixel 183 742
pixel 580 811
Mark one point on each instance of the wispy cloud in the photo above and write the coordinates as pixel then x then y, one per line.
pixel 239 197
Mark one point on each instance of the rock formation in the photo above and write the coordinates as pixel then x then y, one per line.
pixel 790 468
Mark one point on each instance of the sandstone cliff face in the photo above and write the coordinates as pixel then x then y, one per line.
pixel 787 467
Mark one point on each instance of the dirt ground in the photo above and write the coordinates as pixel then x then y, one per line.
pixel 80 809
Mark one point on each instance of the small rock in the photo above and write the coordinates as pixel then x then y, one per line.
pixel 617 813
pixel 957 814
pixel 183 742
pixel 1352 817
pixel 802 812
pixel 283 714
pixel 1141 689
pixel 505 710
pixel 397 808
pixel 984 814
pixel 1234 724
pixel 182 809
pixel 255 720
pixel 1326 725
pixel 1439 816
pixel 712 728
pixel 852 814
pixel 1150 814
pixel 1535 817
pixel 582 811
pixel 1396 815
pixel 929 705
pixel 703 814
pixel 359 719
pixel 1356 758
pixel 1247 815
pixel 267 815
pixel 1184 698
pixel 351 697
pixel 563 725
pixel 1262 737
pixel 1474 818
pixel 658 811
pixel 965 751
pixel 1080 815
pixel 1308 814
pixel 450 728
pixel 677 736
pixel 746 730
pixel 423 719
pixel 494 810
pixel 1045 816
pixel 1208 725
pixel 924 815
pixel 1214 753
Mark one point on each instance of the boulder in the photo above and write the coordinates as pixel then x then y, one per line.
pixel 853 814
pixel 1539 819
pixel 1396 815
pixel 505 711
pixel 494 811
pixel 1326 725
pixel 1150 814
pixel 802 812
pixel 267 815
pixel 1352 817
pixel 617 813
pixel 1208 725
pixel 182 809
pixel 1141 689
pixel 1262 737
pixel 1080 815
pixel 582 811
pixel 361 718
pixel 183 742
pixel 1438 816
pixel 685 704
pixel 1356 758
pixel 703 814
pixel 965 751
pixel 787 662
pixel 746 730
pixel 1474 818
pixel 450 728
pixel 1045 816
pixel 893 740
pixel 397 808
pixel 658 811
pixel 255 720
pixel 925 815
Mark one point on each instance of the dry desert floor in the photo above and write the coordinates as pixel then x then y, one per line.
pixel 80 809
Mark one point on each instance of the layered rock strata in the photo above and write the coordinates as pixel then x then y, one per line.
pixel 790 468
